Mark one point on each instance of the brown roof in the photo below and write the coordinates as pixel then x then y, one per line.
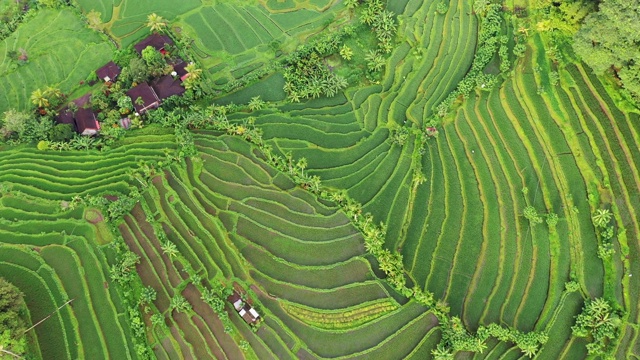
pixel 149 97
pixel 179 67
pixel 156 41
pixel 110 70
pixel 86 119
pixel 245 312
pixel 66 117
pixel 166 86
pixel 234 297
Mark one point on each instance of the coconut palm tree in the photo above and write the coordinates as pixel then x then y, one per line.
pixel 375 61
pixel 179 303
pixel 169 249
pixel 53 93
pixel 156 22
pixel 442 353
pixel 256 103
pixel 193 70
pixel 350 4
pixel 602 217
pixel 39 99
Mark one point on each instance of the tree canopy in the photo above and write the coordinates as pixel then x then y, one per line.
pixel 609 39
pixel 13 319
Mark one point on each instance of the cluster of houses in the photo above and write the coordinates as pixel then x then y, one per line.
pixel 144 96
pixel 246 311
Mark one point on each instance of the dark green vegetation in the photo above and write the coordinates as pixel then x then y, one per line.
pixel 14 320
pixel 504 170
pixel 605 42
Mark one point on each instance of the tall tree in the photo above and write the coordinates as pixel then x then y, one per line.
pixel 13 321
pixel 609 39
pixel 156 23
pixel 39 98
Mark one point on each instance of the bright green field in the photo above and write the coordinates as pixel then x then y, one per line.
pixel 234 217
pixel 61 52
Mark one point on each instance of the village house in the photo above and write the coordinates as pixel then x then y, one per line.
pixel 166 86
pixel 180 69
pixel 156 41
pixel 109 72
pixel 86 122
pixel 83 120
pixel 148 98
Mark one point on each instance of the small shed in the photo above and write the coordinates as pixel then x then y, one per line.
pixel 236 300
pixel 249 314
pixel 156 41
pixel 109 72
pixel 149 98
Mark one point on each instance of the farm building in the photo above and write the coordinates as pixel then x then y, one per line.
pixel 156 41
pixel 166 86
pixel 246 311
pixel 236 300
pixel 148 96
pixel 249 314
pixel 86 122
pixel 109 72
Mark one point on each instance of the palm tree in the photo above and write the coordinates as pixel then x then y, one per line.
pixel 169 249
pixel 179 303
pixel 602 217
pixel 256 103
pixel 156 22
pixel 442 353
pixel 148 295
pixel 346 52
pixel 375 61
pixel 39 99
pixel 350 4
pixel 53 93
pixel 193 71
pixel 302 164
pixel 80 142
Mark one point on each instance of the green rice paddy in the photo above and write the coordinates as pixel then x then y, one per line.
pixel 236 219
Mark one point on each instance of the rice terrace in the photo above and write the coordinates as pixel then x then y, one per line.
pixel 319 179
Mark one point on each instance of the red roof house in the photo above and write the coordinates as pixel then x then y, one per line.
pixel 149 98
pixel 156 41
pixel 109 72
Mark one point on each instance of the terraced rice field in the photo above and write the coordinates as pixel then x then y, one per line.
pixel 61 52
pixel 231 215
pixel 49 249
pixel 462 233
pixel 564 149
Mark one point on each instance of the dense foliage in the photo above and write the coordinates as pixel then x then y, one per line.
pixel 13 320
pixel 601 324
pixel 608 41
